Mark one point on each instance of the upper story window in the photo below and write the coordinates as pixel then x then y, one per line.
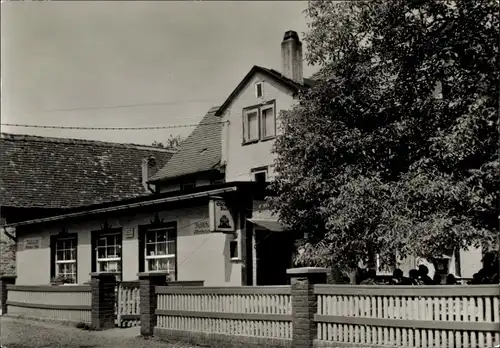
pixel 259 90
pixel 259 122
pixel 268 129
pixel 251 125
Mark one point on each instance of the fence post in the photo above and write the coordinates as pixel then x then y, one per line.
pixel 103 300
pixel 147 307
pixel 304 304
pixel 4 281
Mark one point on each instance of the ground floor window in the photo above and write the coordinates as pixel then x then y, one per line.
pixel 65 258
pixel 160 250
pixel 108 253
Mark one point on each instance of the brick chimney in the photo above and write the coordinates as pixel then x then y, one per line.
pixel 148 164
pixel 291 57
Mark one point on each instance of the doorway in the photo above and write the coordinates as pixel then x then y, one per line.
pixel 274 252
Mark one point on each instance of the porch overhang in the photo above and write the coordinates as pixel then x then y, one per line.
pixel 269 224
pixel 125 206
pixel 263 217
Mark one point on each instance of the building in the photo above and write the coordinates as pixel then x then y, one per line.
pixel 42 176
pixel 205 220
pixel 197 214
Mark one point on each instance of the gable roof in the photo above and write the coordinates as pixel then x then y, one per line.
pixel 200 152
pixel 48 172
pixel 294 86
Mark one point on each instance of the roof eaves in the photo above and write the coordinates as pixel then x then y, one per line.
pixel 73 141
pixel 256 68
pixel 125 206
pixel 173 177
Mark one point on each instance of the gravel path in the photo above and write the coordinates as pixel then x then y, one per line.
pixel 17 333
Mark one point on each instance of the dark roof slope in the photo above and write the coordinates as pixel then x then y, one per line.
pixel 200 152
pixel 294 86
pixel 63 173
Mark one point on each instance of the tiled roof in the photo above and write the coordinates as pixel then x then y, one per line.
pixel 308 82
pixel 200 152
pixel 64 173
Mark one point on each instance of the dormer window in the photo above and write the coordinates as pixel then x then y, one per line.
pixel 259 90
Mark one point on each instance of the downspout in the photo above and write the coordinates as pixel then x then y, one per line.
pixel 13 238
pixel 146 164
pixel 225 145
pixel 150 189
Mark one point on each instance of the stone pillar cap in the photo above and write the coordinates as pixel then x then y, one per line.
pixel 306 270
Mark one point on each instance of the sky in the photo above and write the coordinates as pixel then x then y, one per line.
pixel 179 58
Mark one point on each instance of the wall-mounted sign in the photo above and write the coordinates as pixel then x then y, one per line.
pixel 128 233
pixel 221 218
pixel 32 243
pixel 201 227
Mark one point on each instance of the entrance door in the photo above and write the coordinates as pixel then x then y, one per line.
pixel 274 257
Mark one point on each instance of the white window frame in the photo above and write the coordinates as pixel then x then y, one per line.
pixel 261 84
pixel 108 259
pixel 173 256
pixel 72 261
pixel 259 171
pixel 246 128
pixel 262 122
pixel 258 109
pixel 235 240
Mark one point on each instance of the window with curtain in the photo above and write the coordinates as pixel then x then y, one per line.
pixel 109 253
pixel 65 258
pixel 160 250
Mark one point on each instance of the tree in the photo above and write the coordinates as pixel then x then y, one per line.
pixel 172 143
pixel 396 147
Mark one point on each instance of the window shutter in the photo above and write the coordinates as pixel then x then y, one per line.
pixel 142 245
pixel 245 127
pixel 176 255
pixel 93 246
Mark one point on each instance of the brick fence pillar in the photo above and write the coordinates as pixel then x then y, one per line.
pixel 304 304
pixel 148 283
pixel 4 281
pixel 103 300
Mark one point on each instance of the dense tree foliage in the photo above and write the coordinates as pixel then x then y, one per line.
pixel 396 147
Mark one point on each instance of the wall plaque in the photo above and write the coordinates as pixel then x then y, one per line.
pixel 128 233
pixel 202 227
pixel 32 243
